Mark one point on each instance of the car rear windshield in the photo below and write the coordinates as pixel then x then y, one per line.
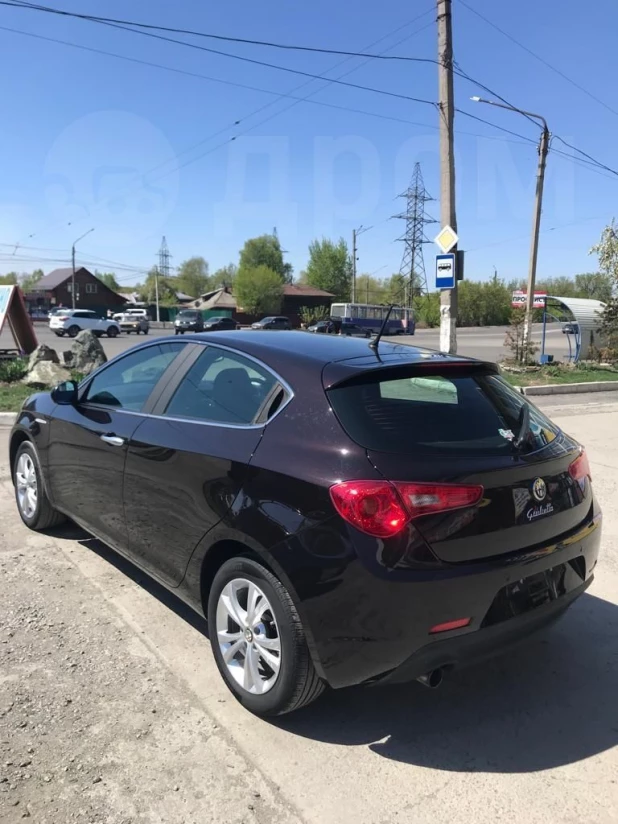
pixel 456 411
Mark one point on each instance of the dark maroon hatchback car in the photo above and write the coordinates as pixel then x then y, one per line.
pixel 340 515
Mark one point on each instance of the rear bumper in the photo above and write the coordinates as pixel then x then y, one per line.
pixel 364 625
pixel 485 643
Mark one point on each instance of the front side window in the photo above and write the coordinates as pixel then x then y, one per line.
pixel 128 383
pixel 222 387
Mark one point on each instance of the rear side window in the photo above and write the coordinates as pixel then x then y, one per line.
pixel 222 387
pixel 459 412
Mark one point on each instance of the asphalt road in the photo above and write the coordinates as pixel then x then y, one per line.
pixel 486 342
pixel 91 647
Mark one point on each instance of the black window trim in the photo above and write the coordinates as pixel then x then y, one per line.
pixel 158 409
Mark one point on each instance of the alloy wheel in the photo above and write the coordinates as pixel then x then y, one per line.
pixel 27 486
pixel 248 636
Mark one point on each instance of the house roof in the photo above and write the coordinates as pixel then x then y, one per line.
pixel 298 290
pixel 219 299
pixel 54 279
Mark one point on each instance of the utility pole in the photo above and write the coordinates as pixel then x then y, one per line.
pixel 538 209
pixel 163 270
pixel 73 265
pixel 446 106
pixel 355 234
pixel 534 246
pixel 353 265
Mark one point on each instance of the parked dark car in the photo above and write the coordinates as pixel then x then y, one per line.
pixel 570 328
pixel 188 320
pixel 219 324
pixel 278 322
pixel 353 330
pixel 322 327
pixel 339 515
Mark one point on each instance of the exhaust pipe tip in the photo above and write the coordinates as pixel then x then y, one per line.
pixel 432 679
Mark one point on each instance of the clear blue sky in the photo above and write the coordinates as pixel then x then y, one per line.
pixel 97 141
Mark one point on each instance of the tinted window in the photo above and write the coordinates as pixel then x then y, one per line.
pixel 460 412
pixel 128 382
pixel 222 387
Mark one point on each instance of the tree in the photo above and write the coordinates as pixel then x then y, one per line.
pixel 594 285
pixel 225 276
pixel 109 279
pixel 148 292
pixel 369 290
pixel 607 251
pixel 265 250
pixel 521 350
pixel 192 278
pixel 9 279
pixel 259 291
pixel 312 314
pixel 330 267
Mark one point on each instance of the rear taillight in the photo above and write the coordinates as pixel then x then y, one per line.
pixel 382 508
pixel 579 470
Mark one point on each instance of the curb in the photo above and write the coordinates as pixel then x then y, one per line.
pixel 571 388
pixel 7 418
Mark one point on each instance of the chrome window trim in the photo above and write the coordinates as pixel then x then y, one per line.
pixel 206 344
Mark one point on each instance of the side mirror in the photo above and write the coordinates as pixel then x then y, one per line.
pixel 65 393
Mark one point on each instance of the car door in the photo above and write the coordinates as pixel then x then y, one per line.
pixel 188 460
pixel 89 440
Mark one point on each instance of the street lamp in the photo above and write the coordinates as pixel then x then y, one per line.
pixel 355 234
pixel 73 263
pixel 538 206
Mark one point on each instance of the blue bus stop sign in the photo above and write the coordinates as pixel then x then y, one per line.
pixel 445 271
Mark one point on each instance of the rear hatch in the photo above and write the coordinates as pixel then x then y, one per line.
pixel 460 422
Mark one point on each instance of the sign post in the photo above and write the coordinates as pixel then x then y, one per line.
pixel 13 309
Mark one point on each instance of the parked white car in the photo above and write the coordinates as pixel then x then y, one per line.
pixel 73 321
pixel 140 313
pixel 132 322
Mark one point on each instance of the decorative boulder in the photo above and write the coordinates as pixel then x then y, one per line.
pixel 47 374
pixel 42 353
pixel 86 354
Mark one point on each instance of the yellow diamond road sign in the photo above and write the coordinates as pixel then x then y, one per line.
pixel 446 239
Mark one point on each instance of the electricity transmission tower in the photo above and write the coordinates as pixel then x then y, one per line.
pixel 412 275
pixel 162 270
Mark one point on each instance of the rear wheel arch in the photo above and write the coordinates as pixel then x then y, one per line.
pixel 217 555
pixel 16 441
pixel 225 549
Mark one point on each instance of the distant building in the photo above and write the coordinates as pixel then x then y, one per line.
pixel 55 289
pixel 295 297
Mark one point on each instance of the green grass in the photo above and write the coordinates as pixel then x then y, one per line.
pixel 12 395
pixel 556 374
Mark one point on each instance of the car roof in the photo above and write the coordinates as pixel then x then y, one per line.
pixel 284 351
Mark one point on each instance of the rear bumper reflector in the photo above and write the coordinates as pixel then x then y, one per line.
pixel 449 625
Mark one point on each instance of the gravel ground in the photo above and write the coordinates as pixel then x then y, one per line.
pixel 89 647
pixel 93 726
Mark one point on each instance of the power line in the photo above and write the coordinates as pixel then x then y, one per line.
pixel 185 44
pixel 586 155
pixel 208 78
pixel 211 36
pixel 539 58
pixel 271 103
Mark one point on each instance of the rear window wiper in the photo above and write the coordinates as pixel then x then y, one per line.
pixel 523 424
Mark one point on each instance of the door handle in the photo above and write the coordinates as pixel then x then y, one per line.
pixel 112 440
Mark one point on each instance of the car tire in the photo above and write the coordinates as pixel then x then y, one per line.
pixel 35 509
pixel 296 683
pixel 146 330
pixel 112 332
pixel 73 331
pixel 59 334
